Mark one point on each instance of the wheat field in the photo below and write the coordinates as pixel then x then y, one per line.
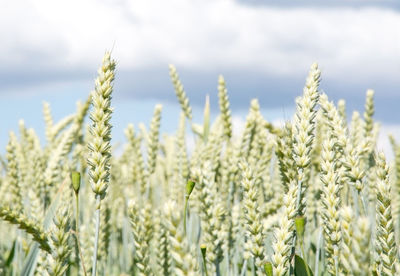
pixel 313 196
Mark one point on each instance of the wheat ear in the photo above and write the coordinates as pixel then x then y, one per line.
pixel 99 146
pixel 385 237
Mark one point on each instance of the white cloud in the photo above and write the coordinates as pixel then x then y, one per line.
pixel 201 34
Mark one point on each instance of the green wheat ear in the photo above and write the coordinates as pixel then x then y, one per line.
pixel 189 187
pixel 76 181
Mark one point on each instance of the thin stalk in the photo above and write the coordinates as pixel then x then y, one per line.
pixel 304 257
pixel 203 250
pixel 185 213
pixel 77 233
pixel 96 238
pixel 244 268
pixel 205 266
pixel 317 252
pixel 77 212
pixel 189 188
pixel 292 256
pixel 217 268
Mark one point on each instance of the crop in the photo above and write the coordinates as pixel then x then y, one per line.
pixel 310 197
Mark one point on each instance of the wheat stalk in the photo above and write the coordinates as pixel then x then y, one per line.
pixel 99 146
pixel 247 212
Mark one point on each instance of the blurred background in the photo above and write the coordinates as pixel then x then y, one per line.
pixel 50 51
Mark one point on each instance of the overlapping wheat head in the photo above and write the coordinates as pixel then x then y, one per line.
pixel 311 196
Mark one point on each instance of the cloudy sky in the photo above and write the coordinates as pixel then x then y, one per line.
pixel 50 50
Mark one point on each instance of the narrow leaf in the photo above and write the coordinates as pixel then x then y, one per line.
pixel 300 268
pixel 11 255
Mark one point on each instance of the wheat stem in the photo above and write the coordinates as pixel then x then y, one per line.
pixel 96 238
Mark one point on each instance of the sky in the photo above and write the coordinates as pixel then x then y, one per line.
pixel 50 51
